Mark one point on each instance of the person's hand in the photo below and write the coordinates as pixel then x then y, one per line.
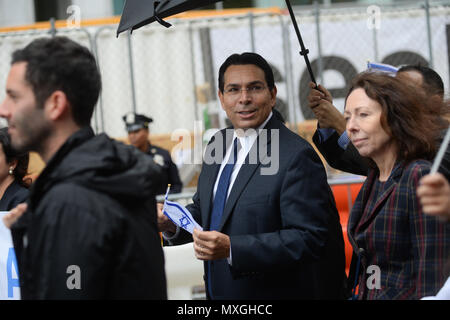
pixel 328 116
pixel 10 218
pixel 164 223
pixel 315 96
pixel 434 195
pixel 211 245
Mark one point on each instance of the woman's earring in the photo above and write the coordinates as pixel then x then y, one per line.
pixel 11 171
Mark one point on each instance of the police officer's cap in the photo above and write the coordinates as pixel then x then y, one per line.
pixel 134 121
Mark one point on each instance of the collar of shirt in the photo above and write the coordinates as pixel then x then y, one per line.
pixel 246 139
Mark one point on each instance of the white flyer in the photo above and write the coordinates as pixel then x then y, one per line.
pixel 9 272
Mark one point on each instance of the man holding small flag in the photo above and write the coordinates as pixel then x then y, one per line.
pixel 270 225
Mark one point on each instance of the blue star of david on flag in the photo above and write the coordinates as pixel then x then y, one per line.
pixel 184 222
pixel 179 215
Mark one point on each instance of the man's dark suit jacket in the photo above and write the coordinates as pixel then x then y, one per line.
pixel 286 238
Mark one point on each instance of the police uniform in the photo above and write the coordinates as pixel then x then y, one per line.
pixel 160 156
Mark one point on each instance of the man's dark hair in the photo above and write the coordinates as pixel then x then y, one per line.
pixel 244 59
pixel 62 64
pixel 432 82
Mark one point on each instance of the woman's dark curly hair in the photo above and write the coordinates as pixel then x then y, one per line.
pixel 413 118
pixel 21 169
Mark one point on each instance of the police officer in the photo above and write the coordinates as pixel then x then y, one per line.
pixel 138 134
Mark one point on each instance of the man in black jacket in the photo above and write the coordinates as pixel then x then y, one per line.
pixel 89 230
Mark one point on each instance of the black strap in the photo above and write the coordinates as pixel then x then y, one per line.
pixel 156 7
pixel 162 22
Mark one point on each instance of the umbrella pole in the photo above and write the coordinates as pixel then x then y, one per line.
pixel 304 51
pixel 130 60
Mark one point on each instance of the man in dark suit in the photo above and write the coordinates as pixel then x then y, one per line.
pixel 270 225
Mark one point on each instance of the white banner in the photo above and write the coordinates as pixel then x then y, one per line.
pixel 9 272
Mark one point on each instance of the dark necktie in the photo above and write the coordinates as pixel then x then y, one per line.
pixel 222 189
pixel 219 202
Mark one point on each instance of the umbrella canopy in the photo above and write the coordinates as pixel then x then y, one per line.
pixel 138 13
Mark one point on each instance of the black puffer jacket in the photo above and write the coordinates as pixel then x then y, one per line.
pixel 90 231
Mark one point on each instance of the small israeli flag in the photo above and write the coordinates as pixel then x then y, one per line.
pixel 180 215
pixel 373 66
pixel 441 152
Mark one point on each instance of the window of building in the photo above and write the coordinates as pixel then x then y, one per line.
pixel 46 9
pixel 118 6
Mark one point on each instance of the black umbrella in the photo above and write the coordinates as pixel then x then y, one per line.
pixel 138 13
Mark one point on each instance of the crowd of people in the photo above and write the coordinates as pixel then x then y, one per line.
pixel 269 224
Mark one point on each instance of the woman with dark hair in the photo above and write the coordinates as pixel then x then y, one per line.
pixel 399 251
pixel 13 169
